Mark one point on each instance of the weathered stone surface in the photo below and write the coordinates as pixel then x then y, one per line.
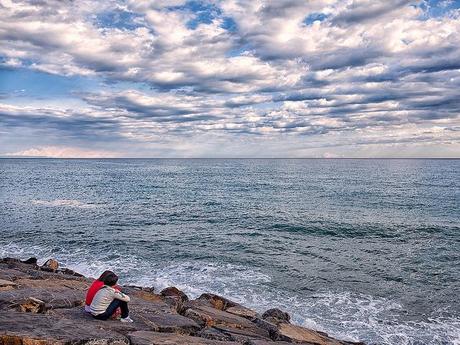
pixel 51 264
pixel 216 301
pixel 30 261
pixel 288 332
pixel 174 292
pixel 268 342
pixel 4 283
pixel 155 338
pixel 7 285
pixel 243 335
pixel 224 321
pixel 164 322
pixel 242 311
pixel 175 298
pixel 25 328
pixel 276 315
pixel 53 298
pixel 214 334
pixel 31 305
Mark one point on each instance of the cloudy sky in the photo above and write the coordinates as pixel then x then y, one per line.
pixel 230 78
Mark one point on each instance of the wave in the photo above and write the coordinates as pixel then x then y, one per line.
pixel 63 203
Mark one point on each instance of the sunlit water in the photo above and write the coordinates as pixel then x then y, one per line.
pixel 362 249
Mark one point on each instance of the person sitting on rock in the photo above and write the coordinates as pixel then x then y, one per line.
pixel 95 287
pixel 107 300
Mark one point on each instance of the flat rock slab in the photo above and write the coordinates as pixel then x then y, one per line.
pixel 166 322
pixel 295 333
pixel 4 283
pixel 242 311
pixel 155 338
pixel 27 328
pixel 62 298
pixel 269 342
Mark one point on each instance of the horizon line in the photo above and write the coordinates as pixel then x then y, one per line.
pixel 221 158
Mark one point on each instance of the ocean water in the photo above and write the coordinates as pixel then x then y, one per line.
pixel 362 249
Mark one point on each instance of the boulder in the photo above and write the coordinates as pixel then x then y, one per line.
pixel 275 315
pixel 51 264
pixel 168 322
pixel 225 322
pixel 242 311
pixel 39 329
pixel 6 285
pixel 293 333
pixel 63 298
pixel 175 298
pixel 31 305
pixel 216 301
pixel 155 338
pixel 30 261
pixel 174 292
pixel 269 342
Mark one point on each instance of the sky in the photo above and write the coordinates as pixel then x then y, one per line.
pixel 230 78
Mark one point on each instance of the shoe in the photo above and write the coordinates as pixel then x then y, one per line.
pixel 126 319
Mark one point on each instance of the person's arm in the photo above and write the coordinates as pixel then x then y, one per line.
pixel 121 296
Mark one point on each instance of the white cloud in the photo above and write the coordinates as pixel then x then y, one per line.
pixel 62 152
pixel 367 73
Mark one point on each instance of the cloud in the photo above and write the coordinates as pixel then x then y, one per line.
pixel 62 152
pixel 314 74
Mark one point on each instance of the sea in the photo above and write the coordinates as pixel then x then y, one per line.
pixel 363 249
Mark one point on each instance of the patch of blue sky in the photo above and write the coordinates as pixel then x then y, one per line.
pixel 23 82
pixel 229 24
pixel 203 12
pixel 119 19
pixel 237 51
pixel 437 8
pixel 313 17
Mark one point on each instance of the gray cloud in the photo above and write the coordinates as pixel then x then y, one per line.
pixel 368 70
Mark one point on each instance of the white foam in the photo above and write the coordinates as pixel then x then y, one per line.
pixel 63 203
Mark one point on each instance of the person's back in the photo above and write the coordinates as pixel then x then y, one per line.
pixel 104 297
pixel 108 299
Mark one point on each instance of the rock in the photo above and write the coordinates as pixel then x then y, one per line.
pixel 175 298
pixel 39 329
pixel 31 305
pixel 30 261
pixel 293 333
pixel 242 311
pixel 275 315
pixel 6 285
pixel 224 321
pixel 243 335
pixel 155 338
pixel 51 264
pixel 175 293
pixel 171 323
pixel 70 272
pixel 214 334
pixel 59 298
pixel 216 301
pixel 269 342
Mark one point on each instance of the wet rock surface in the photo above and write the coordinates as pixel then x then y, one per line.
pixel 41 305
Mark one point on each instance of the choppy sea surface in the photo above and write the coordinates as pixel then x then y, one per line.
pixel 362 249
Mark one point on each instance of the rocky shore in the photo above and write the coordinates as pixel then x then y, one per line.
pixel 42 305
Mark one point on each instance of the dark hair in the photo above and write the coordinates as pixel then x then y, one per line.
pixel 111 279
pixel 103 275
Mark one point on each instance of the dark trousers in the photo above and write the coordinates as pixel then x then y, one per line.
pixel 116 303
